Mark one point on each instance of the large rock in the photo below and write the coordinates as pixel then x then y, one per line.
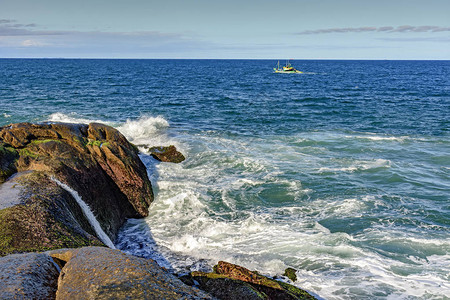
pixel 102 273
pixel 225 288
pixel 44 216
pixel 28 276
pixel 229 281
pixel 88 273
pixel 95 160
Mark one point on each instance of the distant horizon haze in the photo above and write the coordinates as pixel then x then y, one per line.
pixel 201 29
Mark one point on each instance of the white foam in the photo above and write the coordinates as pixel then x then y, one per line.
pixel 144 128
pixel 376 137
pixel 383 138
pixel 73 118
pixel 216 206
pixel 358 165
pixel 6 115
pixel 145 132
pixel 88 214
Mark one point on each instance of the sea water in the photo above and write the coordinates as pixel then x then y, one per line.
pixel 342 172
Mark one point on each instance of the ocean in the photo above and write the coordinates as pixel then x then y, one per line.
pixel 342 172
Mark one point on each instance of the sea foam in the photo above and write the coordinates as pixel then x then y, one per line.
pixel 147 131
pixel 143 128
pixel 73 118
pixel 88 214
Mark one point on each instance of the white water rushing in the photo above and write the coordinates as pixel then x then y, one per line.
pixel 323 202
pixel 88 214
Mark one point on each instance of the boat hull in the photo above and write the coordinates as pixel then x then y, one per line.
pixel 287 72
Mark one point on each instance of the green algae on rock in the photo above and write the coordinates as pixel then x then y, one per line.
pixel 103 273
pixel 290 273
pixel 166 154
pixel 229 280
pixel 223 287
pixel 47 217
pixel 8 157
pixel 95 160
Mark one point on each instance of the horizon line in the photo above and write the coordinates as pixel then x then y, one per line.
pixel 134 58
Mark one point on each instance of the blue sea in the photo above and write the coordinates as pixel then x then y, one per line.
pixel 341 172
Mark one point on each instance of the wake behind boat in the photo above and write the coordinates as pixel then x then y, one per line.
pixel 288 68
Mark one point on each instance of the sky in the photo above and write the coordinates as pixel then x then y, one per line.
pixel 232 29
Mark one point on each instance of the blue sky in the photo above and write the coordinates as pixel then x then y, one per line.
pixel 299 29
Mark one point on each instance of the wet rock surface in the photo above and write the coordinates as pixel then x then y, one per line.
pixel 229 280
pixel 291 274
pixel 226 288
pixel 28 276
pixel 43 217
pixel 95 160
pixel 102 273
pixel 166 154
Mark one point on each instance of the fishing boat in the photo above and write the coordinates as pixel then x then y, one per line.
pixel 288 68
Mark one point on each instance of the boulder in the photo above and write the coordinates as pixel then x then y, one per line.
pixel 223 287
pixel 43 216
pixel 291 274
pixel 102 273
pixel 28 276
pixel 166 154
pixel 95 160
pixel 229 281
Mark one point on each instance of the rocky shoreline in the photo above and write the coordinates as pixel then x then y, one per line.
pixel 65 190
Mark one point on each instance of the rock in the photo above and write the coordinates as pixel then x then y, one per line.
pixel 228 281
pixel 243 274
pixel 102 273
pixel 10 192
pixel 166 154
pixel 95 160
pixel 8 157
pixel 225 288
pixel 120 160
pixel 28 276
pixel 46 217
pixel 290 273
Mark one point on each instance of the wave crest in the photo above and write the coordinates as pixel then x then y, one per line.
pixel 140 130
pixel 73 118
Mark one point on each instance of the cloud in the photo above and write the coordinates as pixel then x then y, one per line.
pixel 27 40
pixel 13 34
pixel 421 39
pixel 389 29
pixel 9 27
pixel 32 43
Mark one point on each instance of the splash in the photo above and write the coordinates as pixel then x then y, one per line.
pixel 87 213
pixel 144 129
pixel 73 118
